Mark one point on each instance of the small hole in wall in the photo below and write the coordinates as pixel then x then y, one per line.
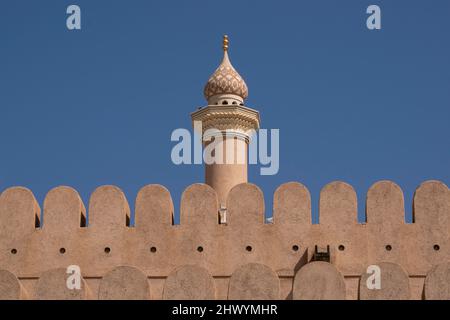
pixel 249 248
pixel 388 247
pixel 225 102
pixel 13 251
pixel 200 249
pixel 436 247
pixel 341 248
pixel 107 250
pixel 62 250
pixel 295 247
pixel 153 249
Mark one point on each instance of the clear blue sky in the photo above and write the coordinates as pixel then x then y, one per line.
pixel 97 106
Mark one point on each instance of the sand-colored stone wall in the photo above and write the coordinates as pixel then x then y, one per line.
pixel 243 259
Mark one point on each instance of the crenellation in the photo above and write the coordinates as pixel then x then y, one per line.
pixel 292 204
pixel 199 207
pixel 19 212
pixel 189 282
pixel 11 288
pixel 64 211
pixel 338 205
pixel 245 205
pixel 319 280
pixel 157 248
pixel 108 209
pixel 153 208
pixel 254 281
pixel 338 223
pixel 394 284
pixel 52 285
pixel 386 225
pixel 124 283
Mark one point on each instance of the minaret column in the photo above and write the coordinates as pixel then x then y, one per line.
pixel 227 126
pixel 232 170
pixel 226 132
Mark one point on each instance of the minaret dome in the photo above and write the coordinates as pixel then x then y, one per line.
pixel 225 86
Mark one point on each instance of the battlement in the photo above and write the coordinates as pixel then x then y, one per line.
pixel 245 258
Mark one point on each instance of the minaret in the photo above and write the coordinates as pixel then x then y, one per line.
pixel 225 92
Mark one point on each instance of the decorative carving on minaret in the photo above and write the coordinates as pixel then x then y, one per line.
pixel 225 92
pixel 225 80
pixel 228 119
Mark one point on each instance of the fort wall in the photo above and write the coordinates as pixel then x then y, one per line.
pixel 246 258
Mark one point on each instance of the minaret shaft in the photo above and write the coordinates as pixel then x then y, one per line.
pixel 223 177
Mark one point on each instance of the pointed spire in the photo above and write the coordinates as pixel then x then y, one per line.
pixel 225 43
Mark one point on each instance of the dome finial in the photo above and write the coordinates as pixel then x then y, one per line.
pixel 225 43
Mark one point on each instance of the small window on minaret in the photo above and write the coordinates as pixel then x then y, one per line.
pixel 225 102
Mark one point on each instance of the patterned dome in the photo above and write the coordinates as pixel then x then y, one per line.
pixel 226 80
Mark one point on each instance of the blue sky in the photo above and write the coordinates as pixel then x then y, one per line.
pixel 97 106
